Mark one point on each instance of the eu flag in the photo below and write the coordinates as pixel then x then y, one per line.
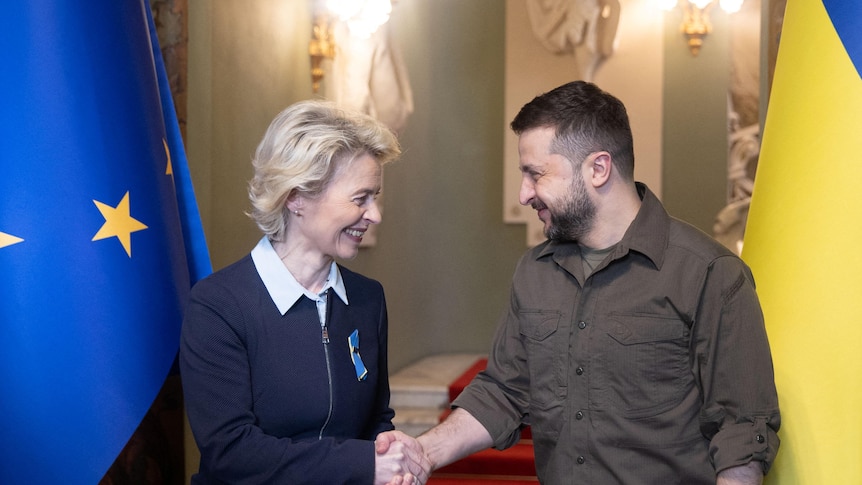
pixel 100 238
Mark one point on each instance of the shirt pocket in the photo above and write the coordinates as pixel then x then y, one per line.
pixel 641 364
pixel 542 338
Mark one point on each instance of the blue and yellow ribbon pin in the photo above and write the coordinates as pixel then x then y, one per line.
pixel 353 343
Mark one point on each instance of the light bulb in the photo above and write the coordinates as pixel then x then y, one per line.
pixel 667 5
pixel 731 6
pixel 362 17
pixel 344 9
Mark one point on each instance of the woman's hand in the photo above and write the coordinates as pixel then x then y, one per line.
pixel 399 460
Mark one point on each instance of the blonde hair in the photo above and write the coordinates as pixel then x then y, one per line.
pixel 303 148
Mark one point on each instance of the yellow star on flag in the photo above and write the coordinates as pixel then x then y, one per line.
pixel 170 168
pixel 118 223
pixel 8 240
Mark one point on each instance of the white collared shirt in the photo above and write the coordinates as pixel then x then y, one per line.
pixel 283 288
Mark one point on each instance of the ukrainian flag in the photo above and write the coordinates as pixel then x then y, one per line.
pixel 803 241
pixel 100 238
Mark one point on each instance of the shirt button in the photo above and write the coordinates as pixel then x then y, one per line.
pixel 759 438
pixel 581 460
pixel 579 371
pixel 579 415
pixel 582 325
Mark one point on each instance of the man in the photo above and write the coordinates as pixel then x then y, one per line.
pixel 633 345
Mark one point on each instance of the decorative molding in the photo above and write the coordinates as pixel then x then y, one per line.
pixel 743 155
pixel 563 26
pixel 743 103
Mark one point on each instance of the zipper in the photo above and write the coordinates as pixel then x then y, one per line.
pixel 324 334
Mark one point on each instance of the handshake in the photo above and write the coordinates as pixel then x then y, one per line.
pixel 403 460
pixel 400 460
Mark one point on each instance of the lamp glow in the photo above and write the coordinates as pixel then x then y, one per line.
pixel 695 23
pixel 363 18
pixel 666 5
pixel 730 6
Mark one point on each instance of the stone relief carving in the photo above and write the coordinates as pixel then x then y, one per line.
pixel 744 152
pixel 369 75
pixel 584 28
pixel 743 125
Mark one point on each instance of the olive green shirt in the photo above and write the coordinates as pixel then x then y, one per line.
pixel 655 369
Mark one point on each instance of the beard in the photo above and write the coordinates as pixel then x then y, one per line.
pixel 575 217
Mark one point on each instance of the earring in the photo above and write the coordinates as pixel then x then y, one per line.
pixel 296 212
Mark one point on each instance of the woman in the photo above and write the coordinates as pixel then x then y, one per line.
pixel 283 353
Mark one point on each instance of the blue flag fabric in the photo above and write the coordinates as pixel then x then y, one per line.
pixel 845 15
pixel 100 238
pixel 195 244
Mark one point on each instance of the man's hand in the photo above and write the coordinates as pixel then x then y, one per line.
pixel 458 436
pixel 750 474
pixel 399 460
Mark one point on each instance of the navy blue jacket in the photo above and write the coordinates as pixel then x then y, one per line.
pixel 256 387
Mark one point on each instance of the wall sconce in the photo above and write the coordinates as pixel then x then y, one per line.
pixel 695 21
pixel 363 18
pixel 320 47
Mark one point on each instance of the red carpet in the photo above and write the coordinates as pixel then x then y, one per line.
pixel 479 480
pixel 514 466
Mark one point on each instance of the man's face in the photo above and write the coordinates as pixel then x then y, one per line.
pixel 552 185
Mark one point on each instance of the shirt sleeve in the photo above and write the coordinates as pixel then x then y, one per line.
pixel 498 397
pixel 216 383
pixel 740 413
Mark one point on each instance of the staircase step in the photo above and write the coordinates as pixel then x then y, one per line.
pixel 421 394
pixel 420 391
pixel 425 383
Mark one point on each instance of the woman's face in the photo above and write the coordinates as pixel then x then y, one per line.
pixel 335 222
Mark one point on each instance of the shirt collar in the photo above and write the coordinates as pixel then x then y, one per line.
pixel 282 287
pixel 648 234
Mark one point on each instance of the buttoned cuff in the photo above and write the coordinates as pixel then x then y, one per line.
pixel 742 443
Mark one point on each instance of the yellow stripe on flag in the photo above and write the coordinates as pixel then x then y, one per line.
pixel 804 245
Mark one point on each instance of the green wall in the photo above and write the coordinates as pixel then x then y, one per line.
pixel 247 62
pixel 694 131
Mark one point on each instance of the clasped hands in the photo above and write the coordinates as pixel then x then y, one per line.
pixel 399 460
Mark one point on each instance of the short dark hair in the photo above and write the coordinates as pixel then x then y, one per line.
pixel 586 120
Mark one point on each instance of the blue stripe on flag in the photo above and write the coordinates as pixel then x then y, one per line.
pixel 845 15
